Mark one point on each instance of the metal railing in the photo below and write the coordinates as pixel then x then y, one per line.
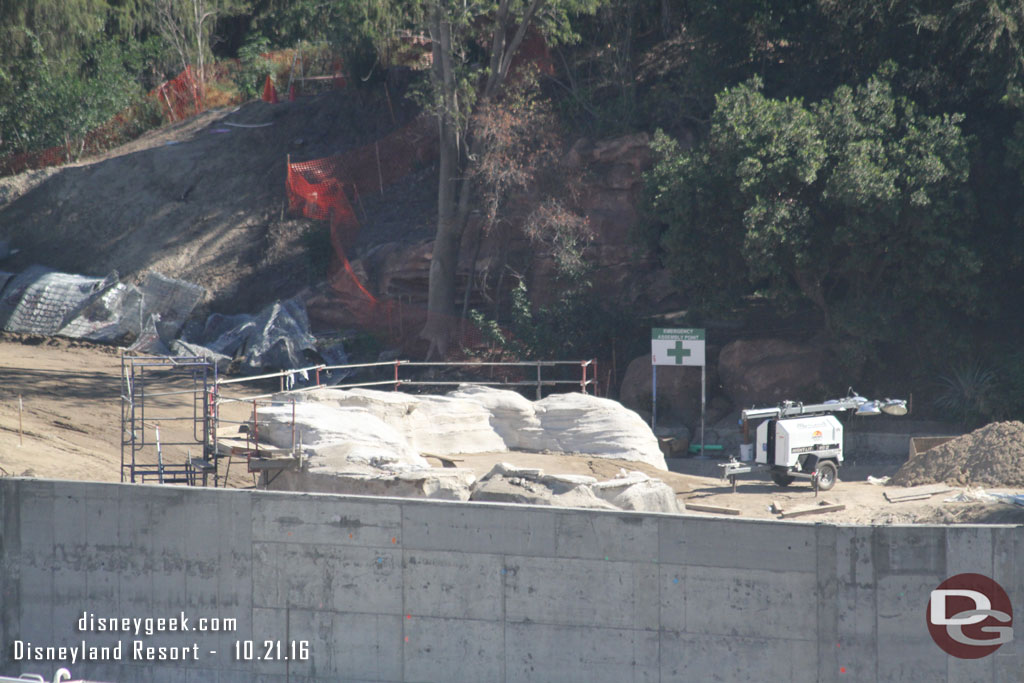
pixel 587 380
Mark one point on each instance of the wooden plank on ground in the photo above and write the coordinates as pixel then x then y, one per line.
pixel 260 464
pixel 700 507
pixel 244 447
pixel 818 509
pixel 916 493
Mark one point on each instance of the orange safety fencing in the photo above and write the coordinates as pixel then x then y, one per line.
pixel 319 189
pixel 179 98
pixel 324 189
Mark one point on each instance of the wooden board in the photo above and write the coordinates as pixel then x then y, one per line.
pixel 260 464
pixel 916 493
pixel 818 509
pixel 244 447
pixel 712 508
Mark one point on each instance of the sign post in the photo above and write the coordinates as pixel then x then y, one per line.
pixel 677 346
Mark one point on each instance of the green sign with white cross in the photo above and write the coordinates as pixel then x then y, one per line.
pixel 677 346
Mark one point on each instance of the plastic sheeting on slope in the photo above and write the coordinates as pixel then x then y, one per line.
pixel 150 315
pixel 277 337
pixel 41 301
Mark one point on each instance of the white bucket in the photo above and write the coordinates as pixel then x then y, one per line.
pixel 746 452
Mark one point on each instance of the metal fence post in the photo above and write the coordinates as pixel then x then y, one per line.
pixel 538 380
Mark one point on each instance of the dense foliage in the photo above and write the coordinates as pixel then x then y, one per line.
pixel 857 203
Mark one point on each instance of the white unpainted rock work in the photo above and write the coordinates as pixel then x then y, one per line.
pixel 361 441
pixel 568 423
pixel 440 484
pixel 506 483
pixel 335 436
pixel 438 425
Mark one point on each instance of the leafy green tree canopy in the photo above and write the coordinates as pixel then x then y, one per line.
pixel 857 203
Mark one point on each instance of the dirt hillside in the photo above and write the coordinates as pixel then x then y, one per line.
pixel 202 200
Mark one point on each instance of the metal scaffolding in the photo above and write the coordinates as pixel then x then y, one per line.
pixel 153 389
pixel 150 386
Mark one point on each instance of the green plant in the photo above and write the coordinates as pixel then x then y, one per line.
pixel 489 328
pixel 253 67
pixel 966 392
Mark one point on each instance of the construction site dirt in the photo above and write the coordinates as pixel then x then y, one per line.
pixel 60 419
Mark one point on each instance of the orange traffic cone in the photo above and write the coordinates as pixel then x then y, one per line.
pixel 269 92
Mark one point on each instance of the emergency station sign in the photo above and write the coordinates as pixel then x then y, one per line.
pixel 677 346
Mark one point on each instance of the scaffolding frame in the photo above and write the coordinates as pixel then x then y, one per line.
pixel 144 379
pixel 147 378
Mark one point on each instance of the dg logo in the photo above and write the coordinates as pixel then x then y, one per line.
pixel 970 616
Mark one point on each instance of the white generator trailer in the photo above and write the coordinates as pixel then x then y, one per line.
pixel 797 441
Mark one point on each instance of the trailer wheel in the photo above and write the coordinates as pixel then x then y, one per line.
pixel 782 479
pixel 827 475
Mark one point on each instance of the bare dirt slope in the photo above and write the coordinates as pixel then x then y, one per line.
pixel 202 200
pixel 71 423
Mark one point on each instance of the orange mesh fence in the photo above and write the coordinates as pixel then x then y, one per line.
pixel 179 98
pixel 17 163
pixel 323 189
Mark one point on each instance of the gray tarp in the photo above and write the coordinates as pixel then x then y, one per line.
pixel 41 301
pixel 277 337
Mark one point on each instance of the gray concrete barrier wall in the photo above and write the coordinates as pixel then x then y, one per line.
pixel 406 590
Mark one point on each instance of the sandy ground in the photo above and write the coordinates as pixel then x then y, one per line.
pixel 70 420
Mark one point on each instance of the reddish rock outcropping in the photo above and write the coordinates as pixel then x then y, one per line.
pixel 766 371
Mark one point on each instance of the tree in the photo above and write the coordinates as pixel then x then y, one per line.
pixel 55 99
pixel 858 204
pixel 473 47
pixel 187 25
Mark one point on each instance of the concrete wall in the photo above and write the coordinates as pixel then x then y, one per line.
pixel 406 590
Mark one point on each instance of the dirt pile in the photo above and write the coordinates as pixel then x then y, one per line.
pixel 990 456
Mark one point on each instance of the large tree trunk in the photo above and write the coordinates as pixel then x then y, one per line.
pixel 444 260
pixel 455 185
